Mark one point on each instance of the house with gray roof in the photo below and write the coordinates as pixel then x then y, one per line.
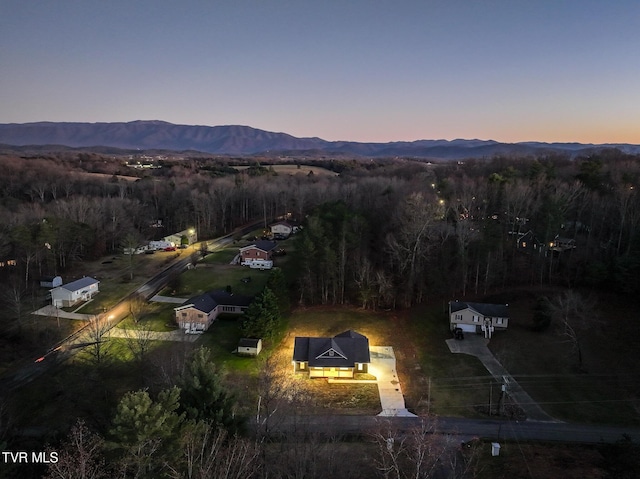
pixel 480 318
pixel 196 314
pixel 338 357
pixel 72 293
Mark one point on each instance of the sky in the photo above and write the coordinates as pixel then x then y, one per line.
pixel 357 70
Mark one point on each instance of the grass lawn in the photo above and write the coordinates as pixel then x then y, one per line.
pixel 156 317
pixel 606 390
pixel 207 277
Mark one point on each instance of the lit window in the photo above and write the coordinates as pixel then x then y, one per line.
pixel 476 319
pixel 360 366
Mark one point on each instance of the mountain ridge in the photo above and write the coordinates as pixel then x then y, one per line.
pixel 246 140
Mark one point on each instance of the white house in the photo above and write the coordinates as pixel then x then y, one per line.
pixel 72 293
pixel 482 318
pixel 185 237
pixel 281 229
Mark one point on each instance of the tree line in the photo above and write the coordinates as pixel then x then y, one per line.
pixel 382 237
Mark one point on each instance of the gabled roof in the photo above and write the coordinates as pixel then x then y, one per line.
pixel 79 284
pixel 208 301
pixel 264 245
pixel 485 309
pixel 344 350
pixel 248 343
pixel 284 223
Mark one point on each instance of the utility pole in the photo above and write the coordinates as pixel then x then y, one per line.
pixel 490 397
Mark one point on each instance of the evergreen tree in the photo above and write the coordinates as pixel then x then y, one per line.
pixel 204 398
pixel 277 283
pixel 144 431
pixel 262 317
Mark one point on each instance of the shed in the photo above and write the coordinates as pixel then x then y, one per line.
pixel 50 281
pixel 249 346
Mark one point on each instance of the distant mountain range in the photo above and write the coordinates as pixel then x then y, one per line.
pixel 244 140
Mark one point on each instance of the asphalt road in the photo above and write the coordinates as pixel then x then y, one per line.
pixel 466 429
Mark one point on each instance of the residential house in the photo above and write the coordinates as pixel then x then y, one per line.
pixel 560 244
pixel 528 243
pixel 75 292
pixel 183 238
pixel 281 229
pixel 481 318
pixel 262 249
pixel 249 347
pixel 339 357
pixel 195 315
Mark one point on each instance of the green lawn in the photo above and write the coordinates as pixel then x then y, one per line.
pixel 156 317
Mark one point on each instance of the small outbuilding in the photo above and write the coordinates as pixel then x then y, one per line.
pixel 50 281
pixel 249 346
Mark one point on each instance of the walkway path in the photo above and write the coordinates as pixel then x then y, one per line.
pixel 53 312
pixel 167 299
pixel 177 335
pixel 476 345
pixel 383 366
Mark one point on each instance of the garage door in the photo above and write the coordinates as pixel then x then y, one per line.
pixel 467 328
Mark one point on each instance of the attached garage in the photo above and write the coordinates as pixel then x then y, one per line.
pixel 467 328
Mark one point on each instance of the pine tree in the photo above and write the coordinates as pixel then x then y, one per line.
pixel 144 431
pixel 262 317
pixel 203 396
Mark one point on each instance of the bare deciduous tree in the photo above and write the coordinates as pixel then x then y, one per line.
pixel 80 457
pixel 574 316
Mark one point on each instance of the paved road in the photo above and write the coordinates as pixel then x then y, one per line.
pixel 466 429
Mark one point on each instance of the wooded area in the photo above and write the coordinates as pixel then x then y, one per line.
pixel 381 234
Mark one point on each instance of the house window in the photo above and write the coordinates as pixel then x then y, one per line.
pixel 498 320
pixel 344 369
pixel 476 319
pixel 184 315
pixel 200 315
pixel 458 317
pixel 360 366
pixel 301 364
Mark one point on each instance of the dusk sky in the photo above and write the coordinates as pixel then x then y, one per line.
pixel 360 70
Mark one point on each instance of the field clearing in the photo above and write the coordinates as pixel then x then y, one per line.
pixel 293 170
pixel 606 390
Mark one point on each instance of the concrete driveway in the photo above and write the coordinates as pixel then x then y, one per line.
pixel 383 366
pixel 476 345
